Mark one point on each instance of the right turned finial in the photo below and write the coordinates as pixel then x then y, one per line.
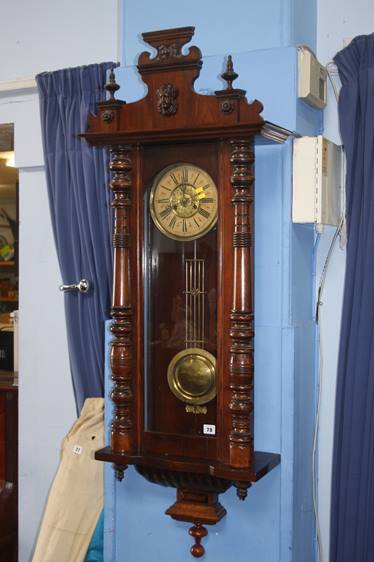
pixel 229 75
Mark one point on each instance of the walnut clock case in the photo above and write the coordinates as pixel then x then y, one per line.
pixel 183 321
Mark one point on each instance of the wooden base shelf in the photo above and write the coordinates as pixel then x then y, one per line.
pixel 263 464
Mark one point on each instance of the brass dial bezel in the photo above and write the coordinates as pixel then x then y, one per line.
pixel 175 385
pixel 155 219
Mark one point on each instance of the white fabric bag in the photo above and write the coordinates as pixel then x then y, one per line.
pixel 77 493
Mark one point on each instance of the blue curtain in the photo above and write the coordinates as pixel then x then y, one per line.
pixel 80 212
pixel 352 508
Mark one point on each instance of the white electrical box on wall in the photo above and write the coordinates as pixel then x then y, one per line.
pixel 312 86
pixel 316 194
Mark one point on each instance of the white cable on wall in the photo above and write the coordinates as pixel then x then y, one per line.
pixel 321 286
pixel 314 454
pixel 339 232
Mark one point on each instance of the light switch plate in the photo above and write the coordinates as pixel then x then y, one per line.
pixel 312 87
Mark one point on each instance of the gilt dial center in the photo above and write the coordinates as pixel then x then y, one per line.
pixel 184 201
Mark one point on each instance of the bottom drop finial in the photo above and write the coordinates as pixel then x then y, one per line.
pixel 198 532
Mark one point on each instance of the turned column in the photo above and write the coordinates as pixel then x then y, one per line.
pixel 121 358
pixel 241 317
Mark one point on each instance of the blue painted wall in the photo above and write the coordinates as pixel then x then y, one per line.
pixel 275 523
pixel 237 26
pixel 217 26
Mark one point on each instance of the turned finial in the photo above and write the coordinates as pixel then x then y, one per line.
pixel 229 75
pixel 242 489
pixel 111 86
pixel 198 532
pixel 119 471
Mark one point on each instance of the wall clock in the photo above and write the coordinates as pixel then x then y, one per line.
pixel 183 321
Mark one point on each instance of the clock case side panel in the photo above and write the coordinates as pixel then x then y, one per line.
pixel 236 304
pixel 226 228
pixel 137 260
pixel 123 310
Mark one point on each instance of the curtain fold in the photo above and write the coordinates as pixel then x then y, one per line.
pixel 352 502
pixel 80 213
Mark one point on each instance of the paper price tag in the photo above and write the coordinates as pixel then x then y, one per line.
pixel 77 450
pixel 209 429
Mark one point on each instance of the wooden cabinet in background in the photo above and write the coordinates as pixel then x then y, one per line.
pixel 8 467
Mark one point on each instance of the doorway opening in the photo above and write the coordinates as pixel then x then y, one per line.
pixel 9 268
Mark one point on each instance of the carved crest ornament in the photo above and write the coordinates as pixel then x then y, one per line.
pixel 167 99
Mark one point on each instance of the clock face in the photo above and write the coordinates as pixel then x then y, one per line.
pixel 183 202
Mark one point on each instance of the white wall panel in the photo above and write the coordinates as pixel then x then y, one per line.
pixel 47 35
pixel 37 36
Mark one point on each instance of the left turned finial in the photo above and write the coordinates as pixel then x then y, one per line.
pixel 111 86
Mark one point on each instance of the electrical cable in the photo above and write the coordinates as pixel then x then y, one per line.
pixel 331 71
pixel 320 385
pixel 325 266
pixel 314 453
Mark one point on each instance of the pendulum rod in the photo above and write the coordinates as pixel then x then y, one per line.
pixel 195 300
